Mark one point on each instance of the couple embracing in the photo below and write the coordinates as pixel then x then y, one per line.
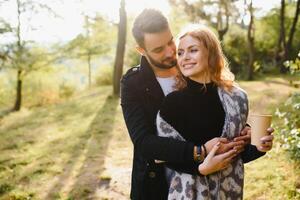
pixel 185 116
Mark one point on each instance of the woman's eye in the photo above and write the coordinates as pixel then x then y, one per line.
pixel 179 53
pixel 194 50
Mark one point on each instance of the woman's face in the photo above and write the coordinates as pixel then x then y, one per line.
pixel 192 57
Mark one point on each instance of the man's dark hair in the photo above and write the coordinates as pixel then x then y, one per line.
pixel 148 21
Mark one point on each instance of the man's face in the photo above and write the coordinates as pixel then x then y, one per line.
pixel 160 49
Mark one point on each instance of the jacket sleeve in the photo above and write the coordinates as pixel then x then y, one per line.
pixel 251 153
pixel 142 133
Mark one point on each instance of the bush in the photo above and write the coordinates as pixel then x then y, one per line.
pixel 294 65
pixel 235 49
pixel 290 129
pixel 40 88
pixel 4 188
pixel 66 91
pixel 105 76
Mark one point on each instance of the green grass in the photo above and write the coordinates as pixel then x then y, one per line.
pixel 45 151
pixel 80 149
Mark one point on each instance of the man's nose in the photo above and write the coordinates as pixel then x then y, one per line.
pixel 170 51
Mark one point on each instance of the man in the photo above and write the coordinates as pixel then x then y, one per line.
pixel 142 91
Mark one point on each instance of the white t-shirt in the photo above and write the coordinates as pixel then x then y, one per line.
pixel 167 84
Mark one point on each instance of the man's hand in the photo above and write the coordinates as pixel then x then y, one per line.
pixel 245 135
pixel 224 145
pixel 266 141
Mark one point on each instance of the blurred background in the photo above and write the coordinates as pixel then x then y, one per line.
pixel 62 134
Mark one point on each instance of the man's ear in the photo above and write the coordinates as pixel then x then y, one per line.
pixel 140 50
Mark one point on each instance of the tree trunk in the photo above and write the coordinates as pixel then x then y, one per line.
pixel 222 30
pixel 88 50
pixel 281 40
pixel 90 69
pixel 119 60
pixel 288 46
pixel 250 36
pixel 293 28
pixel 18 101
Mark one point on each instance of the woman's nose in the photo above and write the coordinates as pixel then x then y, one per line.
pixel 186 56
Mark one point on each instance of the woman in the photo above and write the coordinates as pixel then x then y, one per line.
pixel 207 104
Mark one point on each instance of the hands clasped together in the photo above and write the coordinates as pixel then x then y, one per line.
pixel 221 151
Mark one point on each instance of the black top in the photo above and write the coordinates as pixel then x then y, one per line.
pixel 195 112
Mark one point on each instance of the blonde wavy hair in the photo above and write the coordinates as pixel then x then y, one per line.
pixel 218 67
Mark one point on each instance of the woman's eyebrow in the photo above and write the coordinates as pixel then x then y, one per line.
pixel 194 45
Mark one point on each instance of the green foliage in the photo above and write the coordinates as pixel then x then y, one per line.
pixel 290 128
pixel 235 44
pixel 266 42
pixel 6 87
pixel 290 113
pixel 40 88
pixel 66 90
pixel 97 40
pixel 132 58
pixel 4 188
pixel 104 76
pixel 294 66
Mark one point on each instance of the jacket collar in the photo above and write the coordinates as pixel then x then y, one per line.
pixel 148 77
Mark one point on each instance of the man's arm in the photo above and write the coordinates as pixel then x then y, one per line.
pixel 143 134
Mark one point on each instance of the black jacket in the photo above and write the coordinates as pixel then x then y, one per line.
pixel 141 97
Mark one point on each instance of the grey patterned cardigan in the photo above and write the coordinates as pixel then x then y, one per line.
pixel 225 184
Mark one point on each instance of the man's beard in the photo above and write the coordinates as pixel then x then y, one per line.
pixel 161 65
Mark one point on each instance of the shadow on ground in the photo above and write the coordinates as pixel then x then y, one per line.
pixel 80 179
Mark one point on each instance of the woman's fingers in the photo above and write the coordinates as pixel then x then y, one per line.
pixel 228 154
pixel 225 163
pixel 213 151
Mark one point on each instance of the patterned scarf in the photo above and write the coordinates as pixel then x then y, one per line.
pixel 225 184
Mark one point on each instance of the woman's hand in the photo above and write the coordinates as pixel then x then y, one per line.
pixel 213 162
